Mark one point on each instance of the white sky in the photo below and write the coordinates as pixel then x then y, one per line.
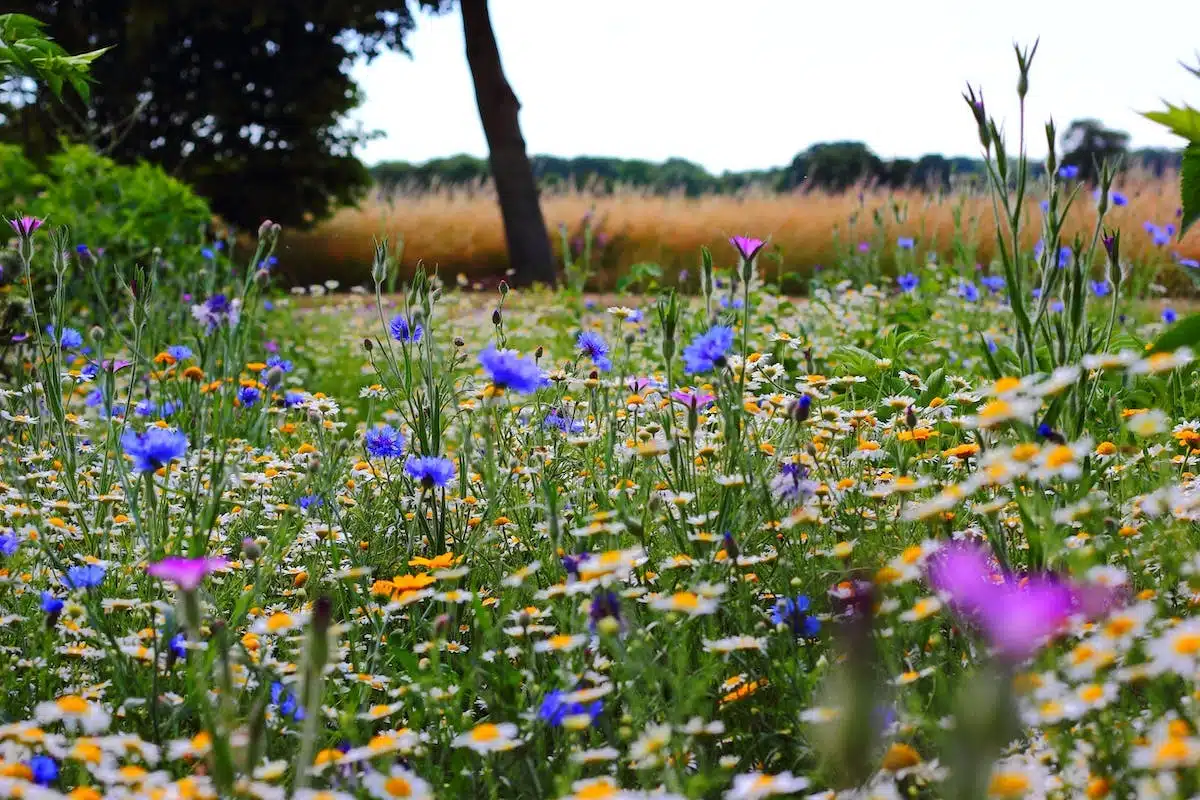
pixel 744 84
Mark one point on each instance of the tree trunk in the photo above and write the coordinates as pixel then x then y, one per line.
pixel 529 250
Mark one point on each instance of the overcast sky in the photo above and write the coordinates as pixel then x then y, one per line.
pixel 748 84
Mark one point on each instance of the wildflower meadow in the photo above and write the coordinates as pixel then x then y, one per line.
pixel 925 531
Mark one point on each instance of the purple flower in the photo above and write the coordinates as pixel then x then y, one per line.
pixel 864 247
pixel 968 291
pixel 692 399
pixel 185 573
pixel 1119 199
pixel 1190 263
pixel 906 243
pixel 907 282
pixel 1017 615
pixel 1169 315
pixel 746 246
pixel 25 226
pixel 1069 172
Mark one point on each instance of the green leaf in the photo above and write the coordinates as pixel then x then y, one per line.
pixel 1182 121
pixel 933 385
pixel 1189 187
pixel 1184 333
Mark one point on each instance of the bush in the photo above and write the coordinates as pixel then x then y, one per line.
pixel 127 211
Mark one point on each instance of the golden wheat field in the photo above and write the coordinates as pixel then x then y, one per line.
pixel 458 229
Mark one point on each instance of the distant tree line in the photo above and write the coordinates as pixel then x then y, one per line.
pixel 831 166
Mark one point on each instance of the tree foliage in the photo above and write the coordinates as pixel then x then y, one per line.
pixel 1087 144
pixel 245 101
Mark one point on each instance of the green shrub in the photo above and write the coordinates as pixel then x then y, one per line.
pixel 126 210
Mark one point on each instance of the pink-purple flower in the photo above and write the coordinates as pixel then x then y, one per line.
pixel 25 226
pixel 692 399
pixel 185 573
pixel 1017 614
pixel 746 246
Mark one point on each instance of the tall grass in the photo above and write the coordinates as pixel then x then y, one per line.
pixel 458 228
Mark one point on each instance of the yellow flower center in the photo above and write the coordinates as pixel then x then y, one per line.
pixel 487 732
pixel 397 787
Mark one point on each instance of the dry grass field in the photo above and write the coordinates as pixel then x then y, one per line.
pixel 458 229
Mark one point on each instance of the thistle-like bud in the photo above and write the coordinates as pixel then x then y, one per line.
pixel 251 550
pixel 379 266
pixel 537 354
pixel 459 341
pixel 980 113
pixel 368 345
pixel 274 378
pixel 503 288
pixel 910 417
pixel 265 229
pixel 497 318
pixel 97 334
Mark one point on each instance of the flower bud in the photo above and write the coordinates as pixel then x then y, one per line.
pixel 251 549
pixel 459 341
pixel 497 318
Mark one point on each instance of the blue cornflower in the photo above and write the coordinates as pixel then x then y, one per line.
pixel 556 419
pixel 994 283
pixel 177 645
pixel 84 576
pixel 1069 172
pixel 49 603
pixel 281 363
pixel 906 243
pixel 293 399
pixel 708 350
pixel 1119 199
pixel 594 347
pixel 179 352
pixel 404 331
pixel 207 253
pixel 89 371
pixel 736 303
pixel 968 291
pixel 1190 263
pixel 310 501
pixel 1056 306
pixel 508 370
pixel 44 770
pixel 70 339
pixel 991 344
pixel 1100 288
pixel 155 448
pixel 1044 206
pixel 907 282
pixel 1169 315
pixel 249 396
pixel 9 544
pixel 794 614
pixel 1161 237
pixel 286 701
pixel 384 442
pixel 1064 256
pixel 1037 292
pixel 604 605
pixel 1039 247
pixel 431 471
pixel 555 708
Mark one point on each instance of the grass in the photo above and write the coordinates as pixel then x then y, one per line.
pixel 458 229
